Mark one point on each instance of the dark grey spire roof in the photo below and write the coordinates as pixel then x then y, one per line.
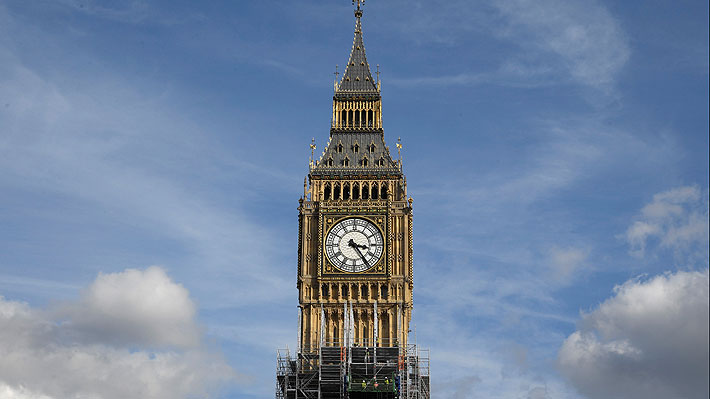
pixel 362 153
pixel 357 77
pixel 357 151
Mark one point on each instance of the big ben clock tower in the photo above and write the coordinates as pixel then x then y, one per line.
pixel 355 266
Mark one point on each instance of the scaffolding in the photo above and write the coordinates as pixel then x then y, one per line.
pixel 339 371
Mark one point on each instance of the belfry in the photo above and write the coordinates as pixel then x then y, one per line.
pixel 355 265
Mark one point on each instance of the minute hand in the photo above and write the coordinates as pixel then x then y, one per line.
pixel 352 243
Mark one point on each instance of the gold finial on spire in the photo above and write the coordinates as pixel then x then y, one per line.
pixel 358 11
pixel 313 147
pixel 399 150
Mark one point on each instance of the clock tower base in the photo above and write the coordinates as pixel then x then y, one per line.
pixel 353 372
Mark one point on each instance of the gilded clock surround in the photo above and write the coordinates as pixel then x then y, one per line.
pixel 328 221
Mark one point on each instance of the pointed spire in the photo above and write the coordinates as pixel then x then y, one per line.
pixel 357 77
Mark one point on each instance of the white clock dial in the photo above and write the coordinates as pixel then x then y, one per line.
pixel 354 245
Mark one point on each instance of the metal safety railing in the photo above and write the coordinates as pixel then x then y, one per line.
pixel 375 384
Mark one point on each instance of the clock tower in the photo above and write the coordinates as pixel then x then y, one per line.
pixel 355 266
pixel 355 222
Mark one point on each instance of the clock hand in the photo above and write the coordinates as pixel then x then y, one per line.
pixel 352 243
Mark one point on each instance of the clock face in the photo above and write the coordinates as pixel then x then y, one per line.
pixel 354 245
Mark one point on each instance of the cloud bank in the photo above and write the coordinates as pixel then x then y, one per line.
pixel 650 341
pixel 131 335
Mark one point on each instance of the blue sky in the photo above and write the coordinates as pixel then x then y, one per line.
pixel 153 153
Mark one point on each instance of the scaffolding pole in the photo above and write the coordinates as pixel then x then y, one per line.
pixel 337 370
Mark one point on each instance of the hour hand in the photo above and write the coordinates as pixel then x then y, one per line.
pixel 353 244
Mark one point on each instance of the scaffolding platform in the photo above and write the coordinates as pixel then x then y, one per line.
pixel 356 372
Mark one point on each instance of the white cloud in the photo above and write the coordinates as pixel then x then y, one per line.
pixel 676 219
pixel 8 392
pixel 112 343
pixel 538 393
pixel 142 306
pixel 650 340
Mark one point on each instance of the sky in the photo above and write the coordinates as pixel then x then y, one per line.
pixel 153 154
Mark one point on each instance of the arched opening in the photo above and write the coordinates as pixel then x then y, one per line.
pixel 383 192
pixel 326 192
pixel 364 161
pixel 365 192
pixel 340 148
pixel 324 291
pixel 346 191
pixel 346 162
pixel 357 118
pixel 363 292
pixel 356 191
pixel 374 194
pixel 336 192
pixel 344 291
pixel 369 118
pixel 350 114
pixel 383 291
